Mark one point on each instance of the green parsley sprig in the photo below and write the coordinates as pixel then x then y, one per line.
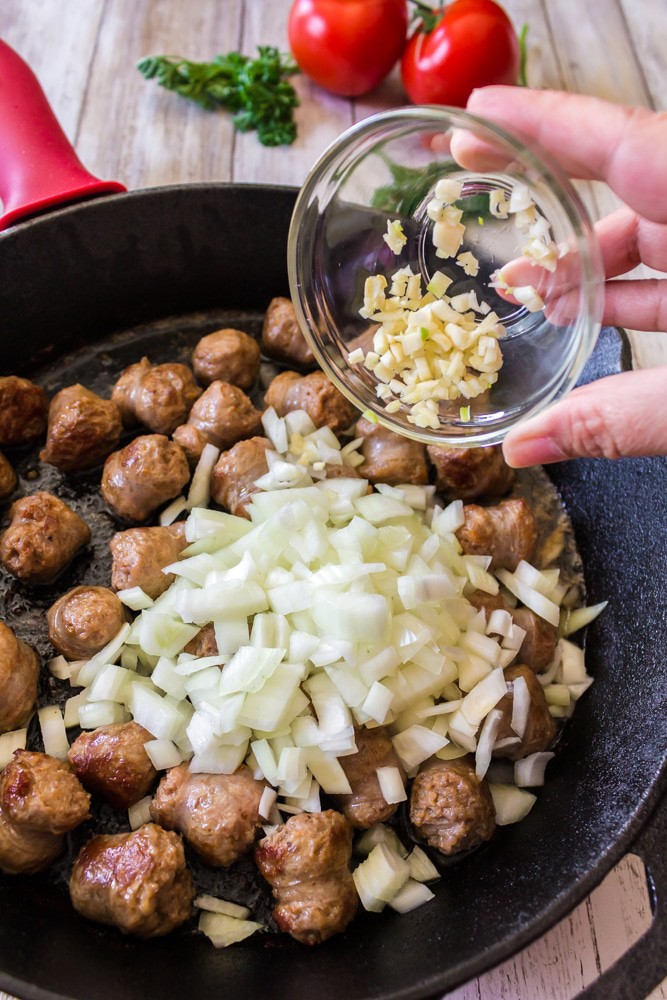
pixel 256 91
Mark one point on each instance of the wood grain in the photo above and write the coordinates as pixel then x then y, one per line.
pixel 128 129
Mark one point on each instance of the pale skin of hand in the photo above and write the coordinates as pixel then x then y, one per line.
pixel 626 147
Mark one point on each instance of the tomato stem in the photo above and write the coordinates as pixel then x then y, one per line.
pixel 426 15
pixel 523 48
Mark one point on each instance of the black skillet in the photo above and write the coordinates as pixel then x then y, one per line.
pixel 86 284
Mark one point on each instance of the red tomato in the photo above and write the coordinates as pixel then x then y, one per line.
pixel 347 46
pixel 472 45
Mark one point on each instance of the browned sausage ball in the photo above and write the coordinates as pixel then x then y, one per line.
pixel 84 620
pixel 235 472
pixel 470 473
pixel 507 533
pixel 19 672
pixel 137 882
pixel 281 334
pixel 142 476
pixel 43 536
pixel 389 457
pixel 218 814
pixel 139 555
pixel 307 864
pixel 23 410
pixel 204 643
pixel 229 355
pixel 40 800
pixel 222 416
pixel 315 394
pixel 158 396
pixel 366 805
pixel 540 728
pixel 83 429
pixel 8 478
pixel 450 808
pixel 112 762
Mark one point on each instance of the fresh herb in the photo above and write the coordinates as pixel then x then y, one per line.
pixel 409 187
pixel 523 48
pixel 256 91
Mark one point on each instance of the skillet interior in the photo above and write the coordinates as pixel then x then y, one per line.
pixel 108 265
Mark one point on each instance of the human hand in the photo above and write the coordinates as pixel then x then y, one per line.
pixel 626 147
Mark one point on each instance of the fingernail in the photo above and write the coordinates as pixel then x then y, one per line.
pixel 532 451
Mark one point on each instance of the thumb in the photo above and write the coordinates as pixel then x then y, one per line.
pixel 619 415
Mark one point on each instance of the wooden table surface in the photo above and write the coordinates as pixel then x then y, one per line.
pixel 84 53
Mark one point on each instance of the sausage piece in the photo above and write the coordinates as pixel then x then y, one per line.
pixel 83 429
pixel 366 805
pixel 141 477
pixel 158 396
pixel 8 478
pixel 281 334
pixel 84 620
pixel 306 861
pixel 218 814
pixel 539 645
pixel 235 472
pixel 40 800
pixel 112 762
pixel 43 536
pixel 23 410
pixel 204 643
pixel 222 416
pixel 229 355
pixel 137 882
pixel 389 457
pixel 450 808
pixel 315 394
pixel 540 727
pixel 470 473
pixel 19 673
pixel 507 533
pixel 139 554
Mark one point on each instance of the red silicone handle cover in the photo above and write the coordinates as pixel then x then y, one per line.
pixel 38 166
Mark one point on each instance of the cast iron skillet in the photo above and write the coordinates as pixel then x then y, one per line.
pixel 83 274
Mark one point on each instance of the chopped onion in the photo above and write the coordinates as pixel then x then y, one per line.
pixel 266 804
pixel 422 868
pixel 163 754
pixel 223 930
pixel 529 771
pixel 537 602
pixel 134 598
pixel 172 511
pixel 380 877
pixel 416 744
pixel 380 834
pixel 520 706
pixel 54 734
pixel 576 620
pixel 101 713
pixel 391 784
pixel 486 742
pixel 140 813
pixel 214 905
pixel 511 804
pixel 9 742
pixel 410 896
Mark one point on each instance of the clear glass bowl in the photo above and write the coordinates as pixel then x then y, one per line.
pixel 386 168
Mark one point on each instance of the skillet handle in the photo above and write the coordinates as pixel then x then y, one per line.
pixel 644 966
pixel 38 166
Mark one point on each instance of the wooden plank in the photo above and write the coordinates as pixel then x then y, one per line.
pixel 320 118
pixel 646 25
pixel 58 41
pixel 133 130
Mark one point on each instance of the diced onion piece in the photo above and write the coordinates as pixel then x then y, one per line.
pixel 380 877
pixel 537 602
pixel 391 784
pixel 9 742
pixel 520 706
pixel 54 734
pixel 199 492
pixel 72 706
pixel 529 771
pixel 450 519
pixel 134 598
pixel 223 930
pixel 172 511
pixel 275 428
pixel 59 668
pixel 484 696
pixel 576 620
pixel 111 652
pixel 101 713
pixel 140 813
pixel 416 744
pixel 327 771
pixel 163 754
pixel 410 896
pixel 422 868
pixel 486 742
pixel 214 905
pixel 557 694
pixel 266 804
pixel 380 834
pixel 511 804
